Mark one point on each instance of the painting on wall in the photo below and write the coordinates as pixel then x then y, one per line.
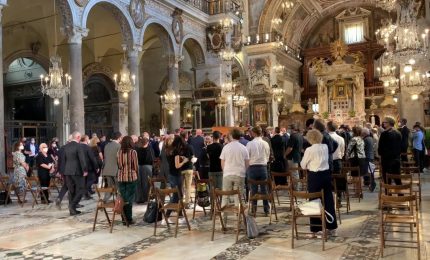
pixel 208 113
pixel 260 114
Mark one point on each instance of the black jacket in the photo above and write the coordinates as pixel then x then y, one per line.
pixel 90 158
pixel 73 159
pixel 405 138
pixel 389 147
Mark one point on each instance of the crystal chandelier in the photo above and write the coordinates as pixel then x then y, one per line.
pixel 278 68
pixel 278 92
pixel 227 89
pixel 276 21
pixel 240 101
pixel 286 5
pixel 410 43
pixel 170 100
pixel 414 83
pixel 227 55
pixel 385 32
pixel 386 4
pixel 226 24
pixel 55 84
pixel 387 73
pixel 125 82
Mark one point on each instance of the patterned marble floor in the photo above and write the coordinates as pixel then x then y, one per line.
pixel 43 232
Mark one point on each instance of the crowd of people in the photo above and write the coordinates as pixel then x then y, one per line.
pixel 229 160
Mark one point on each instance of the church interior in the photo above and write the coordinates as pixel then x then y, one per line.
pixel 134 66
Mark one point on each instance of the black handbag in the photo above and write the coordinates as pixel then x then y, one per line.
pixel 151 213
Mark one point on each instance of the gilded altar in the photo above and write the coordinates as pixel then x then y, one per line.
pixel 340 86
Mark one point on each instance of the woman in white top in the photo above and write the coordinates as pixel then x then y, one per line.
pixel 315 160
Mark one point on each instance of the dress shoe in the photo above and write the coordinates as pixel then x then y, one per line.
pixel 88 197
pixel 79 206
pixel 74 212
pixel 131 222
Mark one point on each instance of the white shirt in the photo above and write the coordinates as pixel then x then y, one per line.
pixel 234 155
pixel 340 151
pixel 315 158
pixel 259 151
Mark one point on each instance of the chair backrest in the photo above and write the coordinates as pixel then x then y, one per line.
pixel 390 189
pixel 32 182
pixel 218 194
pixel 410 170
pixel 4 183
pixel 387 200
pixel 308 195
pixel 405 178
pixel 347 169
pixel 162 193
pixel 266 182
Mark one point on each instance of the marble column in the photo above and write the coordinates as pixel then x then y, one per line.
pixel 2 129
pixel 229 112
pixel 133 97
pixel 76 105
pixel 174 118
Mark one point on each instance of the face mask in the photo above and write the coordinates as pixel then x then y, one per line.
pixel 54 145
pixel 21 147
pixel 45 150
pixel 32 141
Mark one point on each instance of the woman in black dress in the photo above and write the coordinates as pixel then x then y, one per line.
pixel 45 165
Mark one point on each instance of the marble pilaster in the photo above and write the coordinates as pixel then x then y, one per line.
pixel 133 98
pixel 76 105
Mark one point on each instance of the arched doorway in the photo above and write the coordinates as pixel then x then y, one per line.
pixel 27 111
pixel 101 105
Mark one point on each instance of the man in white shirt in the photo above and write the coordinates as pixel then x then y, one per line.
pixel 259 154
pixel 234 162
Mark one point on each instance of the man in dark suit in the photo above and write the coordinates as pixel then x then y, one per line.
pixel 404 130
pixel 197 143
pixel 92 166
pixel 389 150
pixel 74 168
pixel 278 147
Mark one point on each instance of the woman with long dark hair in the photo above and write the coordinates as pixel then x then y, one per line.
pixel 127 175
pixel 20 167
pixel 176 162
pixel 145 156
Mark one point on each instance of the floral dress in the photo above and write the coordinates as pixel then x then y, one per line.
pixel 19 172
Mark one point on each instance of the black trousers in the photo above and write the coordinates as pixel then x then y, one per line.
pixel 90 179
pixel 419 159
pixel 45 180
pixel 318 181
pixel 390 166
pixel 76 187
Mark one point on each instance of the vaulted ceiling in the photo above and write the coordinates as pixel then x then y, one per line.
pixel 299 22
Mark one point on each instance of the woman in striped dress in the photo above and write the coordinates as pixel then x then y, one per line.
pixel 127 175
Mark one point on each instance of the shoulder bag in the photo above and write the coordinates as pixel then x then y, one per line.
pixel 314 207
pixel 119 204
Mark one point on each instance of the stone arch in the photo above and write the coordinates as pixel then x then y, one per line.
pixel 42 60
pixel 68 12
pixel 169 44
pixel 194 48
pixel 96 68
pixel 120 14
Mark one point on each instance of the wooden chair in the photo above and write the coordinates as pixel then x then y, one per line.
pixel 4 187
pixel 276 188
pixel 152 181
pixel 32 185
pixel 104 205
pixel 53 185
pixel 399 222
pixel 261 196
pixel 342 177
pixel 354 181
pixel 297 195
pixel 416 179
pixel 209 190
pixel 219 210
pixel 396 190
pixel 9 187
pixel 176 207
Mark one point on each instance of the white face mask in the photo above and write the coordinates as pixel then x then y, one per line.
pixel 45 150
pixel 21 147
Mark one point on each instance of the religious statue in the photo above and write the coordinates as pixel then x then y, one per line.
pixel 297 93
pixel 136 10
pixel 177 25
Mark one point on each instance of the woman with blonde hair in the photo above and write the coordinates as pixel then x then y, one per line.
pixel 316 161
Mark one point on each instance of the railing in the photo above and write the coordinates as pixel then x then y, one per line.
pixel 274 38
pixel 213 7
pixel 375 90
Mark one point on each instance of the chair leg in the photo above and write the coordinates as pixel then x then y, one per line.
pixel 277 197
pixel 293 226
pixel 213 224
pixel 107 216
pixel 155 222
pixel 194 208
pixel 238 226
pixel 113 221
pixel 274 208
pixel 186 218
pixel 177 223
pixel 95 219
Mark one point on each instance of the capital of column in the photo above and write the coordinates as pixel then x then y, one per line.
pixel 75 34
pixel 174 60
pixel 133 51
